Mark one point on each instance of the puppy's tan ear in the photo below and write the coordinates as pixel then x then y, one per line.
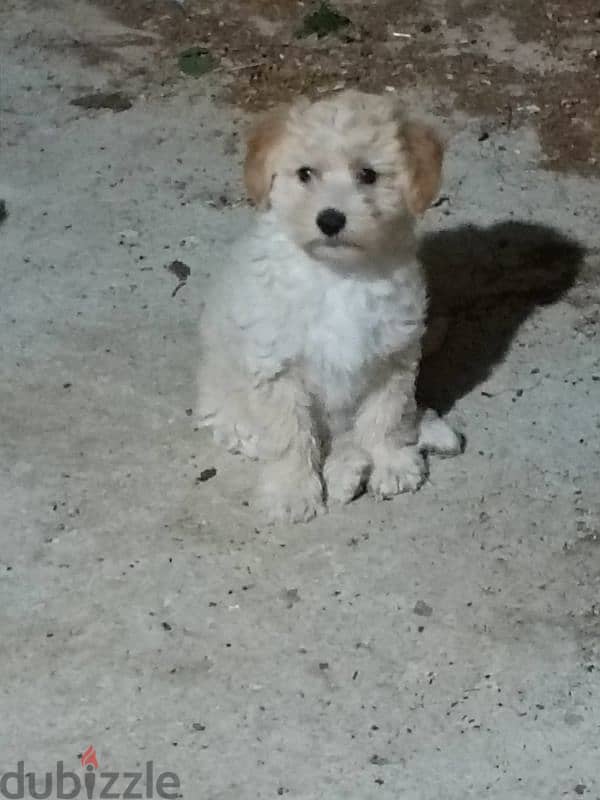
pixel 424 156
pixel 259 167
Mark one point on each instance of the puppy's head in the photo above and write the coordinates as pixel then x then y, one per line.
pixel 344 175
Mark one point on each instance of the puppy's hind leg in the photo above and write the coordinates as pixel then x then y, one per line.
pixel 223 406
pixel 386 427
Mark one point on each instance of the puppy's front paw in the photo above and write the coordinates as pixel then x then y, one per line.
pixel 290 495
pixel 396 471
pixel 346 471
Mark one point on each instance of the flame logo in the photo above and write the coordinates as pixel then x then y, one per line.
pixel 89 758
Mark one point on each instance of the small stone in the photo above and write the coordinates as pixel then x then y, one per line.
pixel 422 609
pixel 206 475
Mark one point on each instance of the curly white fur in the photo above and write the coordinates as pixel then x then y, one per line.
pixel 311 342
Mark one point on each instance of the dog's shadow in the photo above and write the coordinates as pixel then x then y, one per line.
pixel 484 282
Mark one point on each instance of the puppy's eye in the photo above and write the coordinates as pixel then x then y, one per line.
pixel 304 174
pixel 366 175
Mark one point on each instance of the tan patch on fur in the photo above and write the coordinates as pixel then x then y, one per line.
pixel 259 169
pixel 425 154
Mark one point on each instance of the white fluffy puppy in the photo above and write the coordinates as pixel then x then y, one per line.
pixel 311 339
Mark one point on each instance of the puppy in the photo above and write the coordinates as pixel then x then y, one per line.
pixel 311 339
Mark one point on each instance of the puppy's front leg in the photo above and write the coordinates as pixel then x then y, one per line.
pixel 387 428
pixel 291 487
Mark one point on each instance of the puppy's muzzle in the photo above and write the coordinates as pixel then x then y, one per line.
pixel 331 221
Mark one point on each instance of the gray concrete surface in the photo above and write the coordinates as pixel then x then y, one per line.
pixel 443 645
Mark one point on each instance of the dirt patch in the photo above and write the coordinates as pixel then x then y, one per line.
pixel 525 61
pixel 115 101
pixel 179 269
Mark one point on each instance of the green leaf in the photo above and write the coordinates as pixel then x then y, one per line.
pixel 323 21
pixel 196 61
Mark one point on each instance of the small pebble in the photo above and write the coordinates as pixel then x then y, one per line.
pixel 422 609
pixel 206 475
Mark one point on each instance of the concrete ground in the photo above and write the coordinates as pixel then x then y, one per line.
pixel 442 645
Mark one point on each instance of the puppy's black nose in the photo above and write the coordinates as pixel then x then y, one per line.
pixel 331 221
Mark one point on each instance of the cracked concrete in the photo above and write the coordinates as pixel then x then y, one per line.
pixel 442 645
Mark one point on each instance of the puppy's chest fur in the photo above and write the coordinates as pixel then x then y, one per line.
pixel 355 328
pixel 337 329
